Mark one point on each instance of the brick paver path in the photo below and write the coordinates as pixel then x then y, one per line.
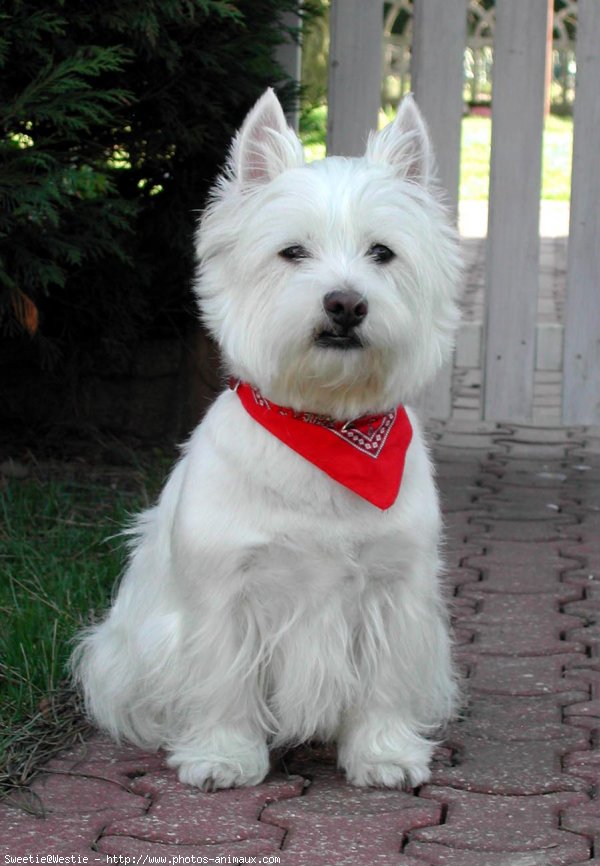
pixel 513 784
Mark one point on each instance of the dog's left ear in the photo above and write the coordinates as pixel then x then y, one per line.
pixel 265 145
pixel 404 144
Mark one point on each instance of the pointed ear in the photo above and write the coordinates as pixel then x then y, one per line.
pixel 404 144
pixel 265 145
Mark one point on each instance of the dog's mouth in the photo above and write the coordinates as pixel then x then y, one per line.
pixel 331 340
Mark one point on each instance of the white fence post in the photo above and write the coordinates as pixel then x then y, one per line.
pixel 513 225
pixel 354 88
pixel 581 381
pixel 289 56
pixel 439 37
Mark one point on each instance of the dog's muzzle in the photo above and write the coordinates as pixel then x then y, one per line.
pixel 345 310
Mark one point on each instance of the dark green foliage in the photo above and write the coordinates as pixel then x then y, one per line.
pixel 55 180
pixel 115 118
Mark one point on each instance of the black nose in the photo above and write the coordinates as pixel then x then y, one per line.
pixel 345 308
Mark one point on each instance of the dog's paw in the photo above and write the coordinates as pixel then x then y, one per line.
pixel 388 774
pixel 211 772
pixel 383 752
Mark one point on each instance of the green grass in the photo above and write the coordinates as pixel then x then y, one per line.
pixel 475 157
pixel 59 560
pixel 556 165
pixel 558 154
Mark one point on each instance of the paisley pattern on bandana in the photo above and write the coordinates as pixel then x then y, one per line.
pixel 366 455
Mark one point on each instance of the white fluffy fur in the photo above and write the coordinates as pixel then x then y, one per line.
pixel 265 604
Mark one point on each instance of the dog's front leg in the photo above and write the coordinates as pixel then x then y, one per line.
pixel 219 738
pixel 410 686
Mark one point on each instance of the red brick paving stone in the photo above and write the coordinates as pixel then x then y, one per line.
pixel 550 555
pixel 584 765
pixel 545 452
pixel 493 823
pixel 462 425
pixel 527 466
pixel 581 578
pixel 512 566
pixel 520 530
pixel 462 636
pixel 268 844
pixel 586 551
pixel 457 525
pixel 469 460
pixel 455 555
pixel 361 825
pixel 588 635
pixel 62 835
pixel 452 476
pixel 521 719
pixel 544 436
pixel 331 855
pixel 101 749
pixel 505 477
pixel 63 794
pixel 519 768
pixel 522 624
pixel 514 579
pixel 457 468
pixel 527 508
pixel 462 606
pixel 345 841
pixel 459 576
pixel 547 497
pixel 440 855
pixel 584 714
pixel 101 768
pixel 586 608
pixel 462 500
pixel 120 774
pixel 78 807
pixel 589 577
pixel 588 504
pixel 584 819
pixel 522 676
pixel 590 522
pixel 472 443
pixel 581 672
pixel 182 814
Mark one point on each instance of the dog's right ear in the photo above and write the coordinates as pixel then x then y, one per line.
pixel 265 145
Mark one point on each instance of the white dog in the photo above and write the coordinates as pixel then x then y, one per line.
pixel 286 585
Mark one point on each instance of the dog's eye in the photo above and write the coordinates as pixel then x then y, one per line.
pixel 294 253
pixel 381 254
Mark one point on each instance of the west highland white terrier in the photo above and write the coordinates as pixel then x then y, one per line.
pixel 286 585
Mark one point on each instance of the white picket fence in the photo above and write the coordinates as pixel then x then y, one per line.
pixel 512 281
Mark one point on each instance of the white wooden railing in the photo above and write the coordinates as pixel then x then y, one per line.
pixel 520 39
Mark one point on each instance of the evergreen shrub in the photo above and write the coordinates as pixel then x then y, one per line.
pixel 115 118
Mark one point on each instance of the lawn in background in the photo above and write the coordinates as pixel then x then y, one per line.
pixel 475 157
pixel 556 166
pixel 59 558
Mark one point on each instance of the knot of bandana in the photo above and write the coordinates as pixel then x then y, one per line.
pixel 366 455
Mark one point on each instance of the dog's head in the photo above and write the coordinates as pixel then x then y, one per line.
pixel 331 286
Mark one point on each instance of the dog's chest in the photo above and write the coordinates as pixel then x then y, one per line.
pixel 322 566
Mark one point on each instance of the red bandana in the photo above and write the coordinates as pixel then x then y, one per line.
pixel 365 455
